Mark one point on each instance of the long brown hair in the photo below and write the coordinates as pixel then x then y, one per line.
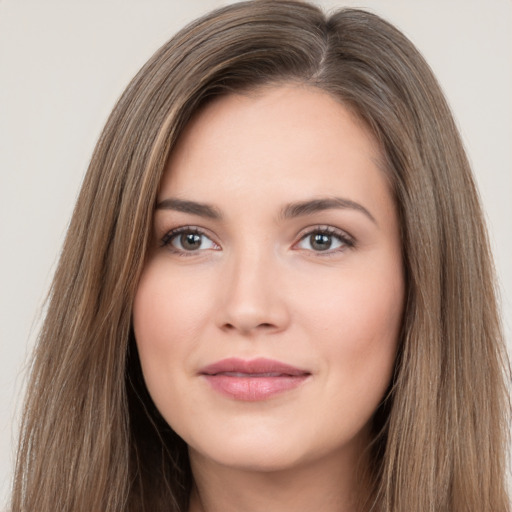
pixel 91 437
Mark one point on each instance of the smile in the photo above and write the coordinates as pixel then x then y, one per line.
pixel 253 380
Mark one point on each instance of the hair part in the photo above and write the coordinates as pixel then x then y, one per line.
pixel 92 438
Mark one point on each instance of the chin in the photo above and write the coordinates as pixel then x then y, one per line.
pixel 251 459
pixel 271 451
pixel 250 449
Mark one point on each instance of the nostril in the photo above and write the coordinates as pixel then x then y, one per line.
pixel 263 325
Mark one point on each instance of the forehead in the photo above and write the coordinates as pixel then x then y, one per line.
pixel 291 135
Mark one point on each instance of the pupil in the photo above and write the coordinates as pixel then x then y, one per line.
pixel 321 242
pixel 190 241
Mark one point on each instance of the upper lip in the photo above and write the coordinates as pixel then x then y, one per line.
pixel 257 367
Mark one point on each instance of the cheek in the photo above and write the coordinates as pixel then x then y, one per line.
pixel 357 321
pixel 153 315
pixel 165 324
pixel 355 304
pixel 169 308
pixel 149 309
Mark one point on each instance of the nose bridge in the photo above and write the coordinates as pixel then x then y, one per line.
pixel 252 296
pixel 251 269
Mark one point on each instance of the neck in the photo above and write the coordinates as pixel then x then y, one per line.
pixel 323 485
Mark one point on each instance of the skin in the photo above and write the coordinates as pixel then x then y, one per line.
pixel 257 285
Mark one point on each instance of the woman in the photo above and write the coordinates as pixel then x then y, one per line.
pixel 261 300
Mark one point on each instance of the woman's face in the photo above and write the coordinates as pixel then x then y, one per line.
pixel 269 308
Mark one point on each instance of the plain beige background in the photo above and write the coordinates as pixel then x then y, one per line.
pixel 64 63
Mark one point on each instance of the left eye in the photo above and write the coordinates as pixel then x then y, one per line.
pixel 189 241
pixel 319 241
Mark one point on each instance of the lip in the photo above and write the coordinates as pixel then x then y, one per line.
pixel 253 380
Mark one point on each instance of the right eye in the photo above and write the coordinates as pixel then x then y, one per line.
pixel 187 240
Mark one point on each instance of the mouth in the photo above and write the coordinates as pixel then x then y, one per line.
pixel 253 380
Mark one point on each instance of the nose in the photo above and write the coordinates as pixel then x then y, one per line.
pixel 252 299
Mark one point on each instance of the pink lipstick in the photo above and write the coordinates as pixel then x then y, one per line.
pixel 254 380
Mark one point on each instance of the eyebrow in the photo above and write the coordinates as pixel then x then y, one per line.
pixel 300 208
pixel 192 207
pixel 290 211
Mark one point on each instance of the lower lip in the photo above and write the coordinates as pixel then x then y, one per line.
pixel 253 389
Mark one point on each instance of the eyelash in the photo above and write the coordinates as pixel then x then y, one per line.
pixel 347 242
pixel 170 235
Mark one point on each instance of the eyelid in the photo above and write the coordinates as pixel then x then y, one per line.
pixel 348 241
pixel 166 240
